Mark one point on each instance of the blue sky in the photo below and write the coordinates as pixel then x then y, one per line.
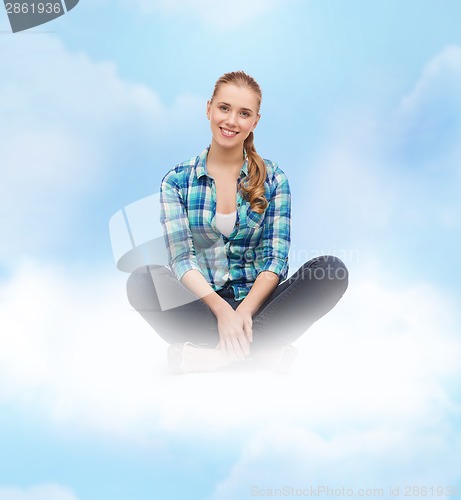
pixel 362 110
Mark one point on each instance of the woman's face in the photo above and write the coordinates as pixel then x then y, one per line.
pixel 233 114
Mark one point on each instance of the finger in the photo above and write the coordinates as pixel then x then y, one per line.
pixel 227 348
pixel 239 347
pixel 232 353
pixel 223 347
pixel 238 352
pixel 245 349
pixel 249 332
pixel 245 343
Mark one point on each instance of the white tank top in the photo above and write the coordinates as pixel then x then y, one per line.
pixel 226 222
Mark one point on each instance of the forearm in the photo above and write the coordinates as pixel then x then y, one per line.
pixel 265 284
pixel 198 285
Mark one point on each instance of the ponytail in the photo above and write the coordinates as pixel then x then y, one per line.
pixel 253 188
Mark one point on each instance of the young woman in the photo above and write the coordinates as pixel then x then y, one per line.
pixel 225 297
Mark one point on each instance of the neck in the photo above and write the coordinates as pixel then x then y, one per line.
pixel 224 157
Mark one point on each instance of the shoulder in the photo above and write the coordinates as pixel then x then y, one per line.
pixel 181 174
pixel 275 175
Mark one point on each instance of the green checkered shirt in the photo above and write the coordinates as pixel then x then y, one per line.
pixel 258 242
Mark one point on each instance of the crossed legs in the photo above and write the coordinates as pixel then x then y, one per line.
pixel 179 317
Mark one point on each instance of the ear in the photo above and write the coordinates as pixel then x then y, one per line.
pixel 208 107
pixel 256 121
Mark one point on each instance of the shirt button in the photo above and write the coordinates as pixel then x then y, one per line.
pixel 249 255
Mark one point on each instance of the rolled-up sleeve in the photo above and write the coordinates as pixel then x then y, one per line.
pixel 272 252
pixel 176 229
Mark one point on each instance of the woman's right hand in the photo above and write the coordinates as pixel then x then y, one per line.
pixel 233 340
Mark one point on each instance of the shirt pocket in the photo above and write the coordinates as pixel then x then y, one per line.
pixel 254 220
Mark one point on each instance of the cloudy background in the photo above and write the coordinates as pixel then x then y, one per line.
pixel 362 110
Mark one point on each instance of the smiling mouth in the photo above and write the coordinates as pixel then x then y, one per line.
pixel 228 133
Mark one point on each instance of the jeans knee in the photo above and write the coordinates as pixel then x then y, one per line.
pixel 337 267
pixel 327 268
pixel 338 272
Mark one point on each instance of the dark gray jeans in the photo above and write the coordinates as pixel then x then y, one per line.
pixel 306 296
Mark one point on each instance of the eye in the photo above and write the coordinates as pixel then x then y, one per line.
pixel 246 114
pixel 223 108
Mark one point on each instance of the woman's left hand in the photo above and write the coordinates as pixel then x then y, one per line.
pixel 247 318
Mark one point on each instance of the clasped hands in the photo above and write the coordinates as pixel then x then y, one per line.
pixel 235 331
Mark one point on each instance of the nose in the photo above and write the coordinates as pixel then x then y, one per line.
pixel 231 119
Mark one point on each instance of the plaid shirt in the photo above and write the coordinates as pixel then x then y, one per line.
pixel 258 242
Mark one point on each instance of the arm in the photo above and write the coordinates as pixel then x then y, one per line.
pixel 176 229
pixel 272 252
pixel 265 284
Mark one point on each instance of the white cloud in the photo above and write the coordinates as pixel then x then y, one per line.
pixel 370 401
pixel 42 492
pixel 384 355
pixel 439 81
pixel 385 181
pixel 222 16
pixel 428 122
pixel 62 108
pixel 67 124
pixel 426 140
pixel 294 459
pixel 74 347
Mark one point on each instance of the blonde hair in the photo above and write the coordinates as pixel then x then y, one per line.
pixel 253 187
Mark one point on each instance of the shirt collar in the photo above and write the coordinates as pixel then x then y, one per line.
pixel 201 169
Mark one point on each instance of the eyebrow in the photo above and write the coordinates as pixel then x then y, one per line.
pixel 241 109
